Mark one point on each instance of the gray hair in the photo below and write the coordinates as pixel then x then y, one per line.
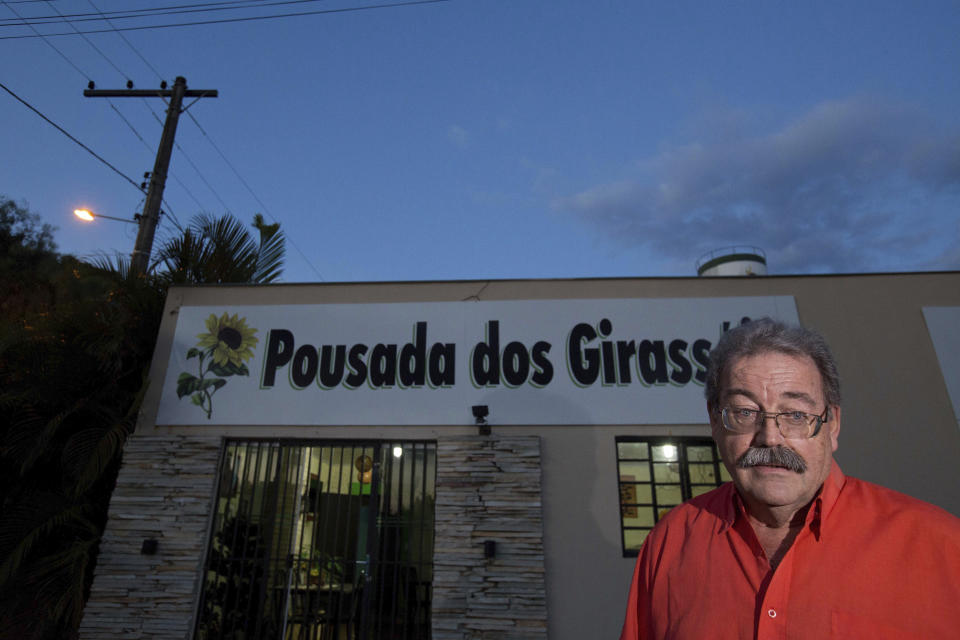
pixel 764 335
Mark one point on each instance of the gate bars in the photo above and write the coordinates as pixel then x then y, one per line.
pixel 320 540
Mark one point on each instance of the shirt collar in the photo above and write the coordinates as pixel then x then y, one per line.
pixel 732 505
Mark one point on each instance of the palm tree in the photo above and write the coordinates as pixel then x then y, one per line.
pixel 221 250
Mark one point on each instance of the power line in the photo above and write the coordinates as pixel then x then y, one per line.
pixel 244 19
pixel 124 38
pixel 159 11
pixel 174 219
pixel 209 186
pixel 167 207
pixel 66 133
pixel 137 134
pixel 82 73
pixel 200 206
pixel 255 197
pixel 179 148
pixel 52 46
pixel 95 47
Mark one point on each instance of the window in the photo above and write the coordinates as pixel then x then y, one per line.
pixel 657 474
pixel 321 539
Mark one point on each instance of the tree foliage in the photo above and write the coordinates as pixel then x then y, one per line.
pixel 75 345
pixel 222 250
pixel 27 250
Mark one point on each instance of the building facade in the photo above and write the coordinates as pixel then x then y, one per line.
pixel 471 459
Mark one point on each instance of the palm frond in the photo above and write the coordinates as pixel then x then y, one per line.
pixel 30 435
pixel 89 453
pixel 27 523
pixel 115 263
pixel 233 255
pixel 57 581
pixel 221 250
pixel 271 253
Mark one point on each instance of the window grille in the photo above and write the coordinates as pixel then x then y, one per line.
pixel 321 540
pixel 656 474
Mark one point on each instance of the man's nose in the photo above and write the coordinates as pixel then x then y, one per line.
pixel 768 433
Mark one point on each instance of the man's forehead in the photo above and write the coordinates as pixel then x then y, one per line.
pixel 794 375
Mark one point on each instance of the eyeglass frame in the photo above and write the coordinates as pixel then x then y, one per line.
pixel 761 418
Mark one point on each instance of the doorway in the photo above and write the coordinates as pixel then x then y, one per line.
pixel 321 541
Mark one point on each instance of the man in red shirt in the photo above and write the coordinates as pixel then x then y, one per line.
pixel 792 548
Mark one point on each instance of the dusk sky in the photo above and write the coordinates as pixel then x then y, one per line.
pixel 475 139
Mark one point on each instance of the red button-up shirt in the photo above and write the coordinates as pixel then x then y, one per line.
pixel 869 563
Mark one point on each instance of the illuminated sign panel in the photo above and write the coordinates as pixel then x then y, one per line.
pixel 611 361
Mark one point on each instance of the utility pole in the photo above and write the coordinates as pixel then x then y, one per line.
pixel 151 209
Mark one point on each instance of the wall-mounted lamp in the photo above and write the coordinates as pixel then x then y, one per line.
pixel 489 549
pixel 480 413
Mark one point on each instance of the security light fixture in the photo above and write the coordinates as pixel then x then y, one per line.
pixel 480 413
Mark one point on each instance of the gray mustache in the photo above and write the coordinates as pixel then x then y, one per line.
pixel 772 456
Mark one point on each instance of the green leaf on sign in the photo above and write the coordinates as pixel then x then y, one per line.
pixel 216 383
pixel 229 369
pixel 187 384
pixel 193 352
pixel 197 399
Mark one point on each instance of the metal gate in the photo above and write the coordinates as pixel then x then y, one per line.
pixel 321 541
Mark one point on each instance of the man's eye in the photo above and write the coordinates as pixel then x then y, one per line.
pixel 796 417
pixel 745 413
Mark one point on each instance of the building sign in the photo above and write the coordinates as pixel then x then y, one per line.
pixel 619 361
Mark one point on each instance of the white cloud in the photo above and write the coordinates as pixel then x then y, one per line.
pixel 457 135
pixel 849 186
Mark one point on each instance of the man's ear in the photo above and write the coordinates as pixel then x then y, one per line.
pixel 833 427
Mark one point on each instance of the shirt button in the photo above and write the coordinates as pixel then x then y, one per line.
pixel 772 613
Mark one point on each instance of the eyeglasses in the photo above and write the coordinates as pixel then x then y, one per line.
pixel 792 424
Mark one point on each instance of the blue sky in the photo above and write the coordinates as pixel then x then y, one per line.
pixel 512 139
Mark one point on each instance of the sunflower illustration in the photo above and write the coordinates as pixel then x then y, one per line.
pixel 221 352
pixel 229 339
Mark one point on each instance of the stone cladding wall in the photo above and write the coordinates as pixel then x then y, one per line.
pixel 488 488
pixel 164 492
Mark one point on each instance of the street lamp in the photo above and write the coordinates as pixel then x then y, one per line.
pixel 140 256
pixel 89 216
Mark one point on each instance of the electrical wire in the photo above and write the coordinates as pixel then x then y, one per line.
pixel 52 46
pixel 128 43
pixel 95 48
pixel 177 144
pixel 195 167
pixel 113 28
pixel 298 14
pixel 66 133
pixel 167 206
pixel 255 197
pixel 209 186
pixel 173 216
pixel 124 14
pixel 190 160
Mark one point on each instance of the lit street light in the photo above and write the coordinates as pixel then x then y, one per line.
pixel 89 216
pixel 140 256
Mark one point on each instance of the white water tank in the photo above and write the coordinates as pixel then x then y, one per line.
pixel 733 261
